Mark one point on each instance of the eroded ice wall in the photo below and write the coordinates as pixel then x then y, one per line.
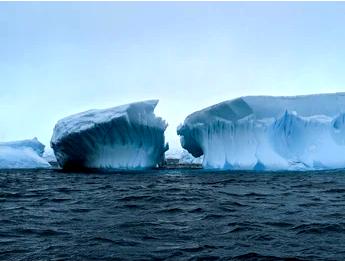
pixel 124 137
pixel 269 133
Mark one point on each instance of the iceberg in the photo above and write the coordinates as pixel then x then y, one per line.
pixel 124 137
pixel 182 156
pixel 49 156
pixel 269 133
pixel 22 154
pixel 187 158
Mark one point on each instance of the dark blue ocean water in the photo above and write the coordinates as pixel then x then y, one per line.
pixel 173 215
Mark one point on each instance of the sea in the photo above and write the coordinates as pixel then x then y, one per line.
pixel 172 214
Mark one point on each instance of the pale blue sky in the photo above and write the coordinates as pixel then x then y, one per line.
pixel 61 58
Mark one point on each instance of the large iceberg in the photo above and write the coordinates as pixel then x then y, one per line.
pixel 269 133
pixel 124 137
pixel 22 154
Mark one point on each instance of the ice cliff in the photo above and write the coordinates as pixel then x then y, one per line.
pixel 124 137
pixel 269 133
pixel 22 154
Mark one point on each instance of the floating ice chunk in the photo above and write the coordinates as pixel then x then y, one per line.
pixel 124 137
pixel 269 133
pixel 182 156
pixel 187 158
pixel 22 154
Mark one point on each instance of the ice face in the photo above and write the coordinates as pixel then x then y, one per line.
pixel 49 156
pixel 269 133
pixel 124 137
pixel 187 158
pixel 22 154
pixel 34 144
pixel 183 156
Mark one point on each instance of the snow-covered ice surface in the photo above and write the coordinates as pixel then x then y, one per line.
pixel 183 156
pixel 124 137
pixel 187 158
pixel 22 154
pixel 173 153
pixel 269 133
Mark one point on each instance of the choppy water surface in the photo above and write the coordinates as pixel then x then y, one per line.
pixel 172 214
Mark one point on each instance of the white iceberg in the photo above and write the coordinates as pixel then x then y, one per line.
pixel 187 158
pixel 182 156
pixel 269 133
pixel 124 137
pixel 22 154
pixel 49 156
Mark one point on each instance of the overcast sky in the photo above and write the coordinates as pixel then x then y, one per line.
pixel 61 58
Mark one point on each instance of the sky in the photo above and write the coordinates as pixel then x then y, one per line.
pixel 60 58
